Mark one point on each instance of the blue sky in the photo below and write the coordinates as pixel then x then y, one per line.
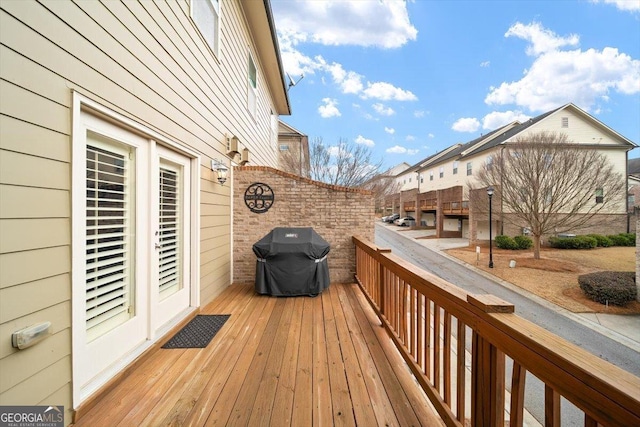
pixel 411 78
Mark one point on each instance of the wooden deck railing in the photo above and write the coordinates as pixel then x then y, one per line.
pixel 453 208
pixel 429 204
pixel 431 322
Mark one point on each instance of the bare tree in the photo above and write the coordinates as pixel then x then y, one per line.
pixel 382 186
pixel 293 161
pixel 345 164
pixel 551 185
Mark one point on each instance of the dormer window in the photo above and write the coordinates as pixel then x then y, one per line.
pixel 565 122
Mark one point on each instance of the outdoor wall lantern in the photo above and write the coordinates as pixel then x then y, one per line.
pixel 220 169
pixel 490 194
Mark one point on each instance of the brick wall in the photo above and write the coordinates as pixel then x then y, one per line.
pixel 336 213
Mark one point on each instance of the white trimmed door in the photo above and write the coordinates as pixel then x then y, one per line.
pixel 132 244
pixel 171 235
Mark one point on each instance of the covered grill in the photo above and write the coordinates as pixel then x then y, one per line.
pixel 291 262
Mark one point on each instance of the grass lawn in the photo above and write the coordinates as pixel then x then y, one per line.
pixel 554 277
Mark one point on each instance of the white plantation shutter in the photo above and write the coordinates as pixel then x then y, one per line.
pixel 109 236
pixel 169 236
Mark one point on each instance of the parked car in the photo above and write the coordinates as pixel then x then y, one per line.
pixel 404 221
pixel 390 218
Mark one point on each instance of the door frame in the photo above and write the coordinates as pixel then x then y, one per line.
pixel 82 105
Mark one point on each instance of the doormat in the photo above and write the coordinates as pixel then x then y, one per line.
pixel 198 332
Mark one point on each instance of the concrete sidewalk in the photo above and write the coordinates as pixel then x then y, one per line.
pixel 624 329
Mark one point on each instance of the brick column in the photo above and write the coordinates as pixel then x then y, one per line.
pixel 439 214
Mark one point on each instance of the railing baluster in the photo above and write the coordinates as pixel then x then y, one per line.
pixel 487 383
pixel 461 383
pixel 420 331
pixel 413 321
pixel 446 366
pixel 518 378
pixel 436 346
pixel 427 338
pixel 403 311
pixel 551 407
pixel 589 422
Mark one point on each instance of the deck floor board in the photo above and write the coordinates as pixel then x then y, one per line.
pixel 322 361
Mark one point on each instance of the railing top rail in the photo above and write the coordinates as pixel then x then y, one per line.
pixel 599 388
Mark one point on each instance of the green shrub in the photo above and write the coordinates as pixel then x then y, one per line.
pixel 505 242
pixel 623 239
pixel 603 241
pixel 578 242
pixel 609 287
pixel 523 242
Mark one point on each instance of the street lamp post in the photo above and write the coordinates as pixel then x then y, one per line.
pixel 490 193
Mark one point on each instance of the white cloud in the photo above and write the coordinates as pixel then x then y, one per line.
pixel 419 114
pixel 468 124
pixel 557 77
pixel 431 135
pixel 364 141
pixel 329 109
pixel 497 119
pixel 390 131
pixel 575 76
pixel 410 138
pixel 334 150
pixel 349 81
pixel 485 64
pixel 396 149
pixel 386 91
pixel 382 110
pixel 542 40
pixel 360 23
pixel 630 5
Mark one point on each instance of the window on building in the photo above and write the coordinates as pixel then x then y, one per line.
pixel 409 180
pixel 421 179
pixel 599 195
pixel 631 199
pixel 489 162
pixel 565 122
pixel 469 169
pixel 441 171
pixel 284 147
pixel 430 175
pixel 206 16
pixel 455 168
pixel 252 75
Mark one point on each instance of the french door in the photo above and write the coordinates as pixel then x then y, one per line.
pixel 132 233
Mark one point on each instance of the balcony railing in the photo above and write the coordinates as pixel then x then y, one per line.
pixel 431 321
pixel 455 208
pixel 429 204
pixel 409 206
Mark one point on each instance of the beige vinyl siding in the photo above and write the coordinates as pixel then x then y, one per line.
pixel 147 62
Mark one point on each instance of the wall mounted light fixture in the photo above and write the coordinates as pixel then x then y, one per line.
pixel 220 169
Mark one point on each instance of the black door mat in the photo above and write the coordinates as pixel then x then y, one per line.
pixel 198 332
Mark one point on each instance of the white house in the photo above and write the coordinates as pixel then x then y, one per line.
pixel 442 200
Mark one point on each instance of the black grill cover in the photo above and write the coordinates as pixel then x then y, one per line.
pixel 291 262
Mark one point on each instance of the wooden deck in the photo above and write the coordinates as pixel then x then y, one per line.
pixel 277 361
